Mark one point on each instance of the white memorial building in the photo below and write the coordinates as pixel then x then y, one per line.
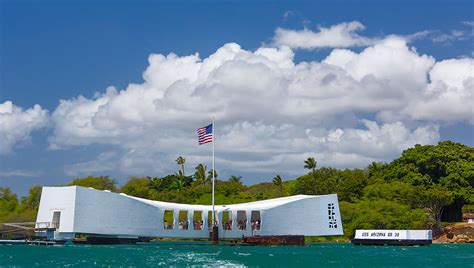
pixel 75 210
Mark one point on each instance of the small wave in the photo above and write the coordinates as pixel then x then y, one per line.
pixel 202 260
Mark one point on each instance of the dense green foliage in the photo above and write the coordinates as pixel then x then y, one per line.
pixel 407 193
pixel 12 210
pixel 99 183
pixel 380 214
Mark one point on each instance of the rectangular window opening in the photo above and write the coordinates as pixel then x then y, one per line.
pixel 241 220
pixel 183 223
pixel 227 220
pixel 255 220
pixel 168 219
pixel 197 220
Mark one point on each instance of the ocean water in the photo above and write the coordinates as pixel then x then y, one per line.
pixel 202 254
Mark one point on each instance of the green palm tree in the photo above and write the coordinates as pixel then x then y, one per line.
pixel 178 184
pixel 200 174
pixel 209 174
pixel 156 183
pixel 180 161
pixel 310 164
pixel 179 175
pixel 235 179
pixel 375 167
pixel 277 181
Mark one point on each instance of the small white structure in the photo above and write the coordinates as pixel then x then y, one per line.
pixel 393 234
pixel 76 210
pixel 392 237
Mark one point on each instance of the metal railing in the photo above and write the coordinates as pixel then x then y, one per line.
pixel 47 225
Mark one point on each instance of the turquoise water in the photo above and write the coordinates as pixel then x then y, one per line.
pixel 186 254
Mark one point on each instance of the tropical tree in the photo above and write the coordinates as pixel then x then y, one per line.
pixel 277 181
pixel 187 180
pixel 178 184
pixel 435 199
pixel 200 174
pixel 179 174
pixel 375 167
pixel 13 211
pixel 136 186
pixel 156 183
pixel 235 179
pixel 33 199
pixel 8 202
pixel 310 164
pixel 351 184
pixel 180 161
pixel 98 183
pixel 448 164
pixel 209 174
pixel 380 214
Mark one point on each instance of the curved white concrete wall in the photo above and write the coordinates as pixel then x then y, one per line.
pixel 99 212
pixel 90 211
pixel 309 217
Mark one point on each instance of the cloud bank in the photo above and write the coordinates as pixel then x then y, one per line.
pixel 346 35
pixel 16 124
pixel 347 110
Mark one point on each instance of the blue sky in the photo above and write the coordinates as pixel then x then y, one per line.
pixel 54 50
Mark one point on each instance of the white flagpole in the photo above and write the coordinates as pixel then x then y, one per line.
pixel 213 169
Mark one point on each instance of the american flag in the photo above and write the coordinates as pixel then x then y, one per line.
pixel 205 134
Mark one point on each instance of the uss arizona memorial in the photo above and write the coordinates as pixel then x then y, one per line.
pixel 67 211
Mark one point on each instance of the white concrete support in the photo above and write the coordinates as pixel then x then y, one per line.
pixel 175 219
pixel 248 230
pixel 205 214
pixel 190 220
pixel 234 220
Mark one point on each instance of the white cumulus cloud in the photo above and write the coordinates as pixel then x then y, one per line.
pixel 341 35
pixel 450 95
pixel 271 113
pixel 16 124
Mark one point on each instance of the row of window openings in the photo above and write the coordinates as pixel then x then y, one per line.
pixel 198 222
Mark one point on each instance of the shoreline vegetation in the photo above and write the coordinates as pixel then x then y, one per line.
pixel 424 188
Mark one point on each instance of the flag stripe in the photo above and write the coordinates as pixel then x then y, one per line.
pixel 205 134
